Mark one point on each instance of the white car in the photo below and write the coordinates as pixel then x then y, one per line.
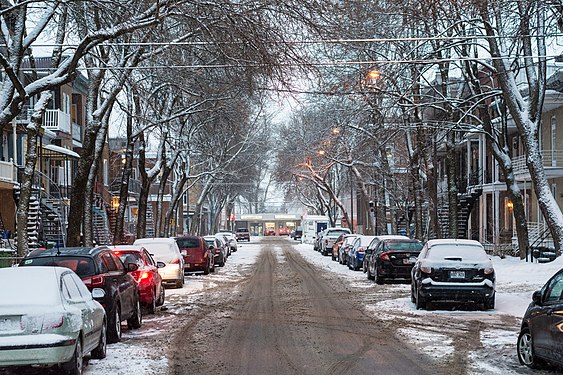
pixel 48 317
pixel 232 240
pixel 166 250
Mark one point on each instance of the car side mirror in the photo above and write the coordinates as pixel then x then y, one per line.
pixel 98 293
pixel 536 297
pixel 131 267
pixel 160 264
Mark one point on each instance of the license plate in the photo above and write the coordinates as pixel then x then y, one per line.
pixel 9 324
pixel 457 274
pixel 409 260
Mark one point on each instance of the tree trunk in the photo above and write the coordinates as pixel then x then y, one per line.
pixel 22 213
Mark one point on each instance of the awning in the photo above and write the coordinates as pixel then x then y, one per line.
pixel 57 151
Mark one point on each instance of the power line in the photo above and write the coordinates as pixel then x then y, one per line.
pixel 311 64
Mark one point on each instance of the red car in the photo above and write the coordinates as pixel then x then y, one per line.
pixel 147 277
pixel 197 254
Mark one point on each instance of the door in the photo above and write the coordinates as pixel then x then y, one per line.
pixel 547 320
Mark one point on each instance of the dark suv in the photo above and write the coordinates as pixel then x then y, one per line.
pixel 99 267
pixel 242 234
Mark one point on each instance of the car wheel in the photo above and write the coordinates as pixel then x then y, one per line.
pixel 136 320
pixel 377 277
pixel 525 348
pixel 413 300
pixel 212 269
pixel 368 272
pixel 74 366
pixel 490 303
pixel 161 296
pixel 420 301
pixel 180 283
pixel 151 308
pixel 206 269
pixel 100 351
pixel 114 329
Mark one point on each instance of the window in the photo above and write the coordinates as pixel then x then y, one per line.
pixel 106 173
pixel 72 292
pixel 109 262
pixel 553 289
pixel 553 141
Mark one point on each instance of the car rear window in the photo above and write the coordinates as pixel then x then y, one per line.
pixel 187 243
pixel 408 246
pixel 337 232
pixel 457 252
pixel 242 230
pixel 82 266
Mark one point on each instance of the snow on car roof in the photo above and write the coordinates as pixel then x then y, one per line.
pixel 366 240
pixel 453 241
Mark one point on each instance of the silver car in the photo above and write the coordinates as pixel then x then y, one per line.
pixel 166 250
pixel 48 317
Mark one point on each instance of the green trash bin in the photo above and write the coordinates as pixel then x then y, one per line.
pixel 7 257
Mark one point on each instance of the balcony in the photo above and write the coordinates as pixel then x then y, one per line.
pixel 552 161
pixel 8 172
pixel 54 119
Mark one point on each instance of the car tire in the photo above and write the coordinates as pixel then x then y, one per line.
pixel 377 277
pixel 420 301
pixel 206 269
pixel 161 296
pixel 114 328
pixel 525 350
pixel 180 283
pixel 490 303
pixel 74 366
pixel 413 299
pixel 100 351
pixel 136 321
pixel 370 276
pixel 151 307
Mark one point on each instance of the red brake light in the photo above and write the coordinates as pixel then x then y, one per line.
pixel 384 256
pixel 175 261
pixel 94 281
pixel 145 275
pixel 360 250
pixel 51 321
pixel 117 252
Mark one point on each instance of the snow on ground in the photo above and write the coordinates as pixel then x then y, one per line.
pixel 516 280
pixel 126 357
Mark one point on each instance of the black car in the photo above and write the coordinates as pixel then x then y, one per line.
pixel 540 338
pixel 99 267
pixel 391 258
pixel 453 270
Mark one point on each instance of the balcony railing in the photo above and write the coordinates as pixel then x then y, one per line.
pixel 7 172
pixel 551 159
pixel 57 120
pixel 54 119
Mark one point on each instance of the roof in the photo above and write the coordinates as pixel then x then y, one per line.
pixel 126 248
pixel 58 151
pixel 154 240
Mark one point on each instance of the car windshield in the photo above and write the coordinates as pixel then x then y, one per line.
pixel 83 266
pixel 407 246
pixel 457 252
pixel 210 242
pixel 187 243
pixel 242 230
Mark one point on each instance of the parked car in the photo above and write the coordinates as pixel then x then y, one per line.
pixel 345 248
pixel 391 257
pixel 242 234
pixel 318 240
pixel 356 252
pixel 218 248
pixel 298 234
pixel 166 250
pixel 48 317
pixel 196 253
pixel 269 232
pixel 231 239
pixel 540 332
pixel 329 237
pixel 151 288
pixel 453 270
pixel 99 267
pixel 338 245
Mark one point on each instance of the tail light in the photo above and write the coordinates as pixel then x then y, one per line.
pixel 96 281
pixel 384 256
pixel 426 269
pixel 489 270
pixel 361 250
pixel 139 276
pixel 51 321
pixel 175 261
pixel 326 242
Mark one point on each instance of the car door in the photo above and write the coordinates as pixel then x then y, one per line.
pixel 547 320
pixel 75 299
pixel 376 254
pixel 121 283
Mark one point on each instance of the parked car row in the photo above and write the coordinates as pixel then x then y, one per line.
pixel 447 270
pixel 87 292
